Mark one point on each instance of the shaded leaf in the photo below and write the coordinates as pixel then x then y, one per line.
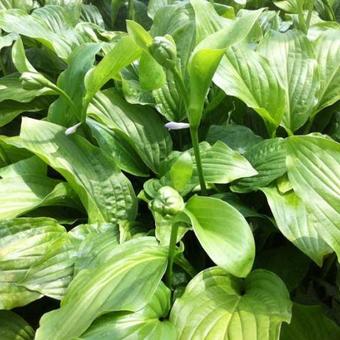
pixel 145 324
pixel 310 322
pixel 14 327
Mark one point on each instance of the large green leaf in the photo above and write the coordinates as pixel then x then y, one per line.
pixel 119 148
pixel 310 322
pixel 232 33
pixel 327 50
pixel 35 27
pixel 313 164
pixel 123 279
pixel 104 191
pixel 12 326
pixel 297 223
pixel 123 53
pixel 268 157
pixel 223 233
pixel 207 20
pixel 217 306
pixel 24 242
pixel 144 324
pixel 139 125
pixel 25 5
pixel 25 186
pixel 72 82
pixel 292 60
pixel 223 165
pixel 291 6
pixel 245 74
pixel 52 273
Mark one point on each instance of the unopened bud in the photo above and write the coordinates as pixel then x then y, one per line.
pixel 163 49
pixel 167 202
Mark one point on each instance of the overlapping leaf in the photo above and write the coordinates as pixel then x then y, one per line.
pixel 313 169
pixel 124 279
pixel 139 125
pixel 223 233
pixel 216 305
pixel 104 191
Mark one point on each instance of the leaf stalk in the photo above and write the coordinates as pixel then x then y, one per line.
pixel 171 254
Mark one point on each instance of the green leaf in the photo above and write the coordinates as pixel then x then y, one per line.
pixel 124 279
pixel 72 82
pixel 33 26
pixel 313 169
pixel 237 137
pixel 20 61
pixel 52 273
pixel 25 186
pixel 105 192
pixel 292 60
pixel 124 52
pixel 181 172
pixel 216 305
pixel 7 40
pixel 297 223
pixel 155 5
pixel 233 33
pixel 310 322
pixel 223 233
pixel 168 101
pixel 142 37
pixel 11 89
pixel 91 240
pixel 287 262
pixel 24 242
pixel 14 327
pixel 120 150
pixel 290 6
pixel 25 5
pixel 201 68
pixel 138 125
pixel 245 74
pixel 144 324
pixel 207 20
pixel 327 50
pixel 268 157
pixel 178 21
pixel 151 74
pixel 10 109
pixel 223 165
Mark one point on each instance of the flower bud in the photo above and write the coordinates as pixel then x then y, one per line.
pixel 34 81
pixel 167 201
pixel 164 51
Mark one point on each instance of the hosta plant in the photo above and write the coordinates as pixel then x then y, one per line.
pixel 169 169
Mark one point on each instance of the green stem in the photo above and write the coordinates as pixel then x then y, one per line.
pixel 193 129
pixel 302 22
pixel 195 144
pixel 131 10
pixel 309 15
pixel 171 254
pixel 67 97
